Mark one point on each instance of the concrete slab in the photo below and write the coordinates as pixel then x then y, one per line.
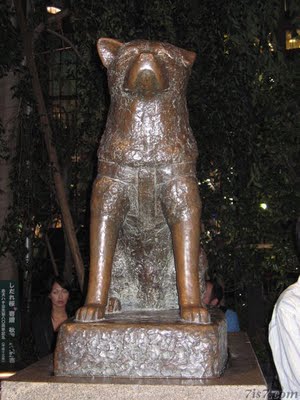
pixel 242 379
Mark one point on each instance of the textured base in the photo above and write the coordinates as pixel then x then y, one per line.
pixel 241 380
pixel 142 344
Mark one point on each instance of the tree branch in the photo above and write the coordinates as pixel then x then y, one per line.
pixel 54 265
pixel 65 39
pixel 48 135
pixel 51 20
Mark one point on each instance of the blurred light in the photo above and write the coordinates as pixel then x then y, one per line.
pixel 263 246
pixel 53 10
pixel 57 223
pixel 37 230
pixel 264 206
pixel 292 39
pixel 271 47
pixel 5 375
pixel 54 6
pixel 270 44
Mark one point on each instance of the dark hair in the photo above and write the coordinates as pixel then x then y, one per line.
pixel 217 291
pixel 60 281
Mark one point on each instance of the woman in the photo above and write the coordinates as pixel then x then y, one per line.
pixel 46 324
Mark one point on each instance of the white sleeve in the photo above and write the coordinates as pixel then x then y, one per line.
pixel 284 337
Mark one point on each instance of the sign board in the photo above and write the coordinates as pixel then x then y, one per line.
pixel 9 297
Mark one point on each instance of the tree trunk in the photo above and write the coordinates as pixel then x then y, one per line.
pixel 47 130
pixel 68 264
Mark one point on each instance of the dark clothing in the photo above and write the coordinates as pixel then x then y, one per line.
pixel 231 319
pixel 44 335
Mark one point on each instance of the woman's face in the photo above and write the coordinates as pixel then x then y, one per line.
pixel 58 295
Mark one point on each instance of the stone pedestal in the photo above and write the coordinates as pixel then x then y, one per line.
pixel 153 344
pixel 241 380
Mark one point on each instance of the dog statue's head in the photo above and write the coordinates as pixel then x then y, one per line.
pixel 144 68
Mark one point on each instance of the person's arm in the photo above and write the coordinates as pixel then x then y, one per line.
pixel 287 358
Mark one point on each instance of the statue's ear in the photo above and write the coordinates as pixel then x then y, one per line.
pixel 107 50
pixel 188 57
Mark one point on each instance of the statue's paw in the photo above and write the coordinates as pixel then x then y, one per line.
pixel 90 313
pixel 195 314
pixel 113 305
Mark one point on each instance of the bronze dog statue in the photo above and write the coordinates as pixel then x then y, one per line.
pixel 145 197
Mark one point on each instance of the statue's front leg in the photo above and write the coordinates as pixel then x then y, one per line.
pixel 182 208
pixel 109 206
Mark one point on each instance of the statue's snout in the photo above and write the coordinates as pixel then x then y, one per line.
pixel 146 75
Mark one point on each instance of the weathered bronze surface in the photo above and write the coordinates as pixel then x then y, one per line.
pixel 145 207
pixel 154 344
pixel 145 232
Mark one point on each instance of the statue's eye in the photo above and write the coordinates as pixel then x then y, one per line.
pixel 164 54
pixel 130 53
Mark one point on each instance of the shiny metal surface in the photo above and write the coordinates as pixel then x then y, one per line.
pixel 156 344
pixel 145 207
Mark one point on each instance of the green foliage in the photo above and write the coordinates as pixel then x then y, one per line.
pixel 10 49
pixel 243 112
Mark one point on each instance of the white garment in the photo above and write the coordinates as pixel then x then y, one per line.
pixel 284 338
